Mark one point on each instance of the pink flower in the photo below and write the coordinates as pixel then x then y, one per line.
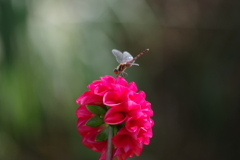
pixel 114 102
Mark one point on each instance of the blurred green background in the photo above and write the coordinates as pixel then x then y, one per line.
pixel 50 50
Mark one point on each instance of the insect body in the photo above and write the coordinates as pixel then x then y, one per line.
pixel 125 60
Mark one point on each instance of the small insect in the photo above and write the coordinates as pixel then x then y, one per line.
pixel 125 60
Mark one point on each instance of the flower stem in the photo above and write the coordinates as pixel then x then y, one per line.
pixel 109 146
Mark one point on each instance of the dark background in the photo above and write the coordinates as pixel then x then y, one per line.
pixel 50 50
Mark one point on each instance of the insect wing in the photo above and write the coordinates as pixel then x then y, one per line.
pixel 134 64
pixel 126 57
pixel 118 55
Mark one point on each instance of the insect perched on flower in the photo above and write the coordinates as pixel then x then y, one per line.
pixel 125 60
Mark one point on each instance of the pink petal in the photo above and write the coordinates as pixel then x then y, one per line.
pixel 121 90
pixel 142 94
pixel 121 81
pixel 89 98
pixel 126 144
pixel 111 99
pixel 124 139
pixel 94 84
pixel 83 112
pixel 136 113
pixel 132 86
pixel 146 109
pixel 132 125
pixel 115 116
pixel 107 81
pixel 89 141
pixel 101 90
pixel 144 135
pixel 123 155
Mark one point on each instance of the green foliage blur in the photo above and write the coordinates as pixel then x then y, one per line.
pixel 51 50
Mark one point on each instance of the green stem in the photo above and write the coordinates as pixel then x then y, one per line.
pixel 109 145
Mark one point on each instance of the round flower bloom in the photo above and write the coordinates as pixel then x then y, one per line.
pixel 114 102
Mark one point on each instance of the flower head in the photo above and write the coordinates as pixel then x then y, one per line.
pixel 114 102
